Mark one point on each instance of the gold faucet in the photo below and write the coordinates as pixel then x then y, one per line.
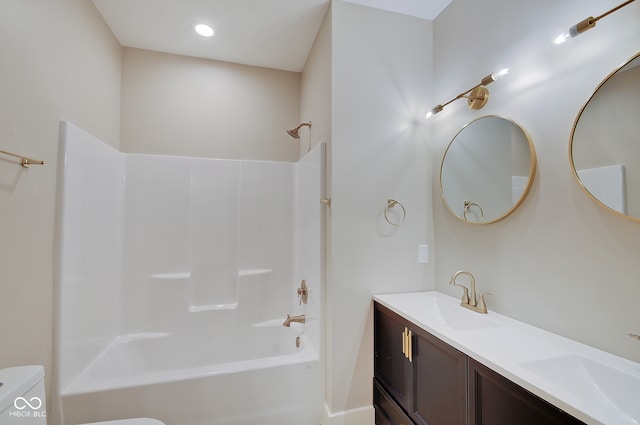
pixel 470 301
pixel 297 319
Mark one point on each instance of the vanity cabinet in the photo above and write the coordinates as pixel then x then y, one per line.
pixel 426 377
pixel 495 400
pixel 421 380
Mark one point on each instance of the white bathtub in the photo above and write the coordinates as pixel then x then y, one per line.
pixel 257 377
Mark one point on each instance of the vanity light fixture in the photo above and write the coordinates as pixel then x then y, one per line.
pixel 203 30
pixel 585 24
pixel 477 96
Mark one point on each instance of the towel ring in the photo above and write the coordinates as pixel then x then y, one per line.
pixel 391 203
pixel 467 206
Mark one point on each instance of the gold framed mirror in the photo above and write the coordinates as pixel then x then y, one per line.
pixel 487 170
pixel 604 149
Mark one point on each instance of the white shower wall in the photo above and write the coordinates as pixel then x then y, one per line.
pixel 171 244
pixel 88 238
pixel 203 224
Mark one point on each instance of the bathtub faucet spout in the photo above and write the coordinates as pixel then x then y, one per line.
pixel 290 318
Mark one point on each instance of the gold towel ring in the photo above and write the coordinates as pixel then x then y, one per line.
pixel 391 203
pixel 467 206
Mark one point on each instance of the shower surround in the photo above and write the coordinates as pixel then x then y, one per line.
pixel 173 278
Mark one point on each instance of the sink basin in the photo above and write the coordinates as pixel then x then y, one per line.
pixel 592 380
pixel 459 318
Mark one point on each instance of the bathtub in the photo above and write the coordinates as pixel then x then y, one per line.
pixel 267 375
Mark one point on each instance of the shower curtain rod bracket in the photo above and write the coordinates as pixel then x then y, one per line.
pixel 24 161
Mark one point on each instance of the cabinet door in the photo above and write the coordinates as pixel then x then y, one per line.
pixel 439 382
pixel 495 400
pixel 387 410
pixel 391 367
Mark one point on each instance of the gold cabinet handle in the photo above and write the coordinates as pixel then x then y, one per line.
pixel 407 348
pixel 406 338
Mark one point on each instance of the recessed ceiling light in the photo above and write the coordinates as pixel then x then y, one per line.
pixel 204 30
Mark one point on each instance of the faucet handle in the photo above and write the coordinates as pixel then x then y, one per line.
pixel 481 304
pixel 303 292
pixel 465 294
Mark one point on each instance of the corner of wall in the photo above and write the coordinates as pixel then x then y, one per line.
pixel 359 416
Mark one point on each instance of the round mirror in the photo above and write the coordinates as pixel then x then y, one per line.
pixel 605 144
pixel 487 170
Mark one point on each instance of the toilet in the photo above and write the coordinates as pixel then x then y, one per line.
pixel 22 399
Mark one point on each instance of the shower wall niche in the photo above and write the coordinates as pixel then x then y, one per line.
pixel 156 245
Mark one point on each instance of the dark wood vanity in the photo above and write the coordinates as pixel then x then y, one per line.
pixel 421 380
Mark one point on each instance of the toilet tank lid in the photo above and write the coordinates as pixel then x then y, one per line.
pixel 17 381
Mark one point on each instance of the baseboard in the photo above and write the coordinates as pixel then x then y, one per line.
pixel 360 416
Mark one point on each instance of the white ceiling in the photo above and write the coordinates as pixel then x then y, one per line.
pixel 270 33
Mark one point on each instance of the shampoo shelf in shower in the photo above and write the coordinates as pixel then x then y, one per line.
pixel 253 272
pixel 187 275
pixel 268 323
pixel 212 307
pixel 120 339
pixel 173 276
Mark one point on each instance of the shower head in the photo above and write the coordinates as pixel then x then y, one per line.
pixel 294 132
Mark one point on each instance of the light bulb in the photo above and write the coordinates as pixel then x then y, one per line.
pixel 561 38
pixel 502 74
pixel 434 111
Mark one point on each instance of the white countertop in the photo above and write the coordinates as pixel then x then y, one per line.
pixel 594 386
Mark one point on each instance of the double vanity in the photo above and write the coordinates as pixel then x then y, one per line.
pixel 438 363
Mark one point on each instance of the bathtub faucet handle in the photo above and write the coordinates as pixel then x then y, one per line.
pixel 303 292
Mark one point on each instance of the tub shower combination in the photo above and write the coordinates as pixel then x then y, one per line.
pixel 174 278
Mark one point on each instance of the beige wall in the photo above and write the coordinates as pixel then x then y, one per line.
pixel 560 262
pixel 179 105
pixel 59 61
pixel 315 106
pixel 315 101
pixel 381 70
